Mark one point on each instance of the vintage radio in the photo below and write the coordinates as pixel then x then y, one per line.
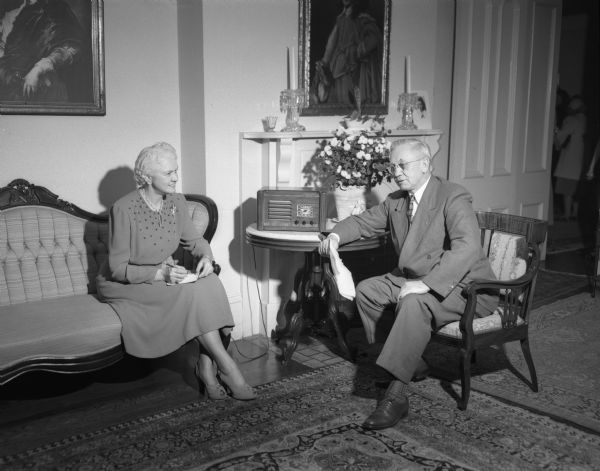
pixel 292 209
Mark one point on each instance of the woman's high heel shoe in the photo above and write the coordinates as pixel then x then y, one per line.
pixel 215 392
pixel 243 392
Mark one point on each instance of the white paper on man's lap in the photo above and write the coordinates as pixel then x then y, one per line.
pixel 343 277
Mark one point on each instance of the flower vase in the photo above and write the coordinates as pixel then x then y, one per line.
pixel 350 200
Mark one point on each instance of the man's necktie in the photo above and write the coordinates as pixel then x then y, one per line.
pixel 411 207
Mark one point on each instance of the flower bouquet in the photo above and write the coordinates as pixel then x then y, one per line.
pixel 355 162
pixel 356 159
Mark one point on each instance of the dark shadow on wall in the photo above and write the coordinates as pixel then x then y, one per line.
pixel 284 267
pixel 116 183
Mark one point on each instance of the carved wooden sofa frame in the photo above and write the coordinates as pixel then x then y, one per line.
pixel 50 252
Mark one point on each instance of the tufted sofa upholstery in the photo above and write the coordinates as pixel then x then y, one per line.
pixel 50 253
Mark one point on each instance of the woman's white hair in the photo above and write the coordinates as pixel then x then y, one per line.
pixel 147 160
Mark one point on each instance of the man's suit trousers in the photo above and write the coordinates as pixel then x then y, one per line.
pixel 415 316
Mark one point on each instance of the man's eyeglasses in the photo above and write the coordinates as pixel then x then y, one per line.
pixel 403 165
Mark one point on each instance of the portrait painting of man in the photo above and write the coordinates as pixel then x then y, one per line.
pixel 50 56
pixel 345 55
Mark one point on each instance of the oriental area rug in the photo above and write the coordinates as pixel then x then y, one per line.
pixel 564 337
pixel 311 421
pixel 307 422
pixel 554 286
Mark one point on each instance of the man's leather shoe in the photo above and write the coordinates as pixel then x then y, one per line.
pixel 421 373
pixel 388 413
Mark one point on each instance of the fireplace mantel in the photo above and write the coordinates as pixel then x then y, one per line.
pixel 281 149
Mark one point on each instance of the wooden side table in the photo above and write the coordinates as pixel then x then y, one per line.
pixel 317 281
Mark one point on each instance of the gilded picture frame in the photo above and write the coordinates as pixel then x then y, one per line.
pixel 338 80
pixel 52 57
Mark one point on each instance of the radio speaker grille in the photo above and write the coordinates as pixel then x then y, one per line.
pixel 279 210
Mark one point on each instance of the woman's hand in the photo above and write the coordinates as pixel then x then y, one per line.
pixel 205 267
pixel 171 272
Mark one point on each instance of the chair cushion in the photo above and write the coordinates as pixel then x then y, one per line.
pixel 507 255
pixel 73 326
pixel 480 325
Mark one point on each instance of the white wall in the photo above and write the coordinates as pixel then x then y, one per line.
pixel 73 155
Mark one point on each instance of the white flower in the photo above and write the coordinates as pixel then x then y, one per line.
pixel 322 154
pixel 328 161
pixel 339 169
pixel 334 141
pixel 328 151
pixel 367 156
pixel 370 141
pixel 360 154
pixel 356 174
pixel 362 139
pixel 345 174
pixel 347 146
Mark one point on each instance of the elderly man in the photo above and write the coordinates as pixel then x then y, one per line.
pixel 436 236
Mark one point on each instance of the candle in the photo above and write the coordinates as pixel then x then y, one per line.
pixel 293 76
pixel 407 86
pixel 287 69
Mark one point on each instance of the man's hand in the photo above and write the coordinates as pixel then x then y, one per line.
pixel 413 287
pixel 327 244
pixel 205 267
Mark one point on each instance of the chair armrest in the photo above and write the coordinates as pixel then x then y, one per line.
pixel 515 295
pixel 477 285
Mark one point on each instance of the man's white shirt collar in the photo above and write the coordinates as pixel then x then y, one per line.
pixel 419 193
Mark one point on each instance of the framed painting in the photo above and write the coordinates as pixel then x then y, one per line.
pixel 52 57
pixel 344 56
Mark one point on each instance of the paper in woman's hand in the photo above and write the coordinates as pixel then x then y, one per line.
pixel 189 278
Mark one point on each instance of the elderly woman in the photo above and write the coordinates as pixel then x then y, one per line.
pixel 143 283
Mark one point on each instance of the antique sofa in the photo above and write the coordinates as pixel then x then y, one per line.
pixel 50 252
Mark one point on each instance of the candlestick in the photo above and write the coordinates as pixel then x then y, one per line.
pixel 291 102
pixel 407 86
pixel 406 104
